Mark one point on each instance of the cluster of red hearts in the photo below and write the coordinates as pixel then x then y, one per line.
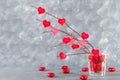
pixel 65 70
pixel 81 43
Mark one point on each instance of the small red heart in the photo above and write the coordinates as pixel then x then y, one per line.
pixel 75 46
pixel 85 69
pixel 111 69
pixel 64 67
pixel 50 74
pixel 62 55
pixel 61 21
pixel 95 51
pixel 41 10
pixel 41 68
pixel 46 23
pixel 83 77
pixel 66 71
pixel 84 35
pixel 66 40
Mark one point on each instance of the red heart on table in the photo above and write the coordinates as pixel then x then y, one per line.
pixel 61 21
pixel 66 71
pixel 62 55
pixel 50 74
pixel 54 30
pixel 75 46
pixel 83 77
pixel 95 51
pixel 111 69
pixel 41 10
pixel 42 68
pixel 84 35
pixel 46 23
pixel 66 40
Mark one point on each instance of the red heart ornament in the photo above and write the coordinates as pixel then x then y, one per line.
pixel 84 35
pixel 62 55
pixel 66 40
pixel 50 74
pixel 111 69
pixel 75 46
pixel 83 77
pixel 41 10
pixel 46 23
pixel 95 51
pixel 61 21
pixel 41 68
pixel 85 69
pixel 64 67
pixel 66 71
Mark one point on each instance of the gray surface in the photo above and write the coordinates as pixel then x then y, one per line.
pixel 36 75
pixel 22 43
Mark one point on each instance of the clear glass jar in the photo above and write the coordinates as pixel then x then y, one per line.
pixel 97 64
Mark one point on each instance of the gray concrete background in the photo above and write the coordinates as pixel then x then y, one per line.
pixel 22 44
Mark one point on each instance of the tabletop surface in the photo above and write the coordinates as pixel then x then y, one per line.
pixel 38 75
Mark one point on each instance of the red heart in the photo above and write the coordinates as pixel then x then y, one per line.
pixel 84 35
pixel 66 71
pixel 64 67
pixel 66 40
pixel 95 51
pixel 41 10
pixel 111 69
pixel 85 69
pixel 41 68
pixel 46 23
pixel 61 21
pixel 50 74
pixel 83 77
pixel 62 55
pixel 75 46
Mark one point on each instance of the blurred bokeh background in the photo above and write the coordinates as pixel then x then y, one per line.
pixel 22 44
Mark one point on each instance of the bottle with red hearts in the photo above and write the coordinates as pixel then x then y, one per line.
pixel 97 64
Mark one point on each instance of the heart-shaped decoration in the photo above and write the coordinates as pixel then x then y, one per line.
pixel 62 55
pixel 82 43
pixel 111 69
pixel 61 21
pixel 41 10
pixel 46 23
pixel 66 40
pixel 50 74
pixel 84 35
pixel 42 68
pixel 54 30
pixel 75 46
pixel 95 51
pixel 66 71
pixel 83 77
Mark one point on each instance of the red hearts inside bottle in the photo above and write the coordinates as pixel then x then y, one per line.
pixel 97 62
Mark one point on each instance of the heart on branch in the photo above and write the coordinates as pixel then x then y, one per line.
pixel 41 10
pixel 61 21
pixel 84 35
pixel 95 51
pixel 46 23
pixel 75 46
pixel 62 55
pixel 66 40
